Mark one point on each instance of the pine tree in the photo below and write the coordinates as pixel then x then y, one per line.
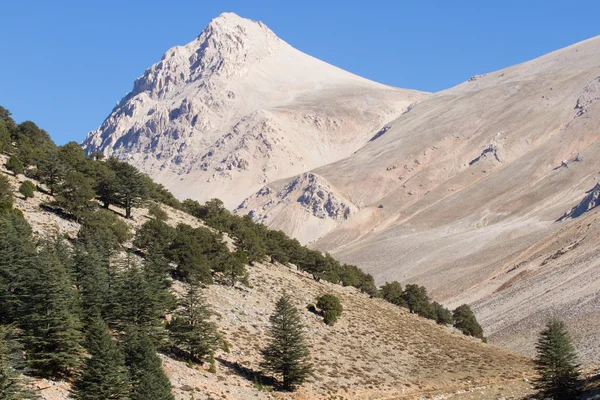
pixel 50 169
pixel 464 319
pixel 104 375
pixel 27 189
pixel 392 292
pixel 12 385
pixel 130 189
pixel 287 355
pixel 17 253
pixel 556 363
pixel 6 194
pixel 140 306
pixel 92 280
pixel 48 315
pixel 74 194
pixel 146 375
pixel 15 165
pixel 191 329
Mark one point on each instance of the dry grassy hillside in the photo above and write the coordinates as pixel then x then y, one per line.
pixel 375 351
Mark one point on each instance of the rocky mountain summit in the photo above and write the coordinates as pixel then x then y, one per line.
pixel 237 108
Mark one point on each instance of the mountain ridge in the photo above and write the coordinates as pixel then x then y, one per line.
pixel 228 106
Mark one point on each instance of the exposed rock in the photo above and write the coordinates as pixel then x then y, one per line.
pixel 589 95
pixel 238 107
pixel 589 202
pixel 313 193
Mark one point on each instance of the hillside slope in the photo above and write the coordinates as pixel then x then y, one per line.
pixel 237 108
pixel 376 350
pixel 463 193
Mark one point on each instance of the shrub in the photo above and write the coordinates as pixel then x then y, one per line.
pixel 331 307
pixel 27 189
pixel 465 320
pixel 157 212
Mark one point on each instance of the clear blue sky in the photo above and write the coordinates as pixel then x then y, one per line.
pixel 65 64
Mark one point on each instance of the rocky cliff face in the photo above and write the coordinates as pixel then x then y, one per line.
pixel 237 108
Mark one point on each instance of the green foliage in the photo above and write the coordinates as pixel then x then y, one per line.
pixel 148 380
pixel 212 368
pixel 157 212
pixel 331 307
pixel 95 281
pixel 392 293
pixel 17 253
pixel 442 315
pixel 141 307
pixel 233 266
pixel 12 385
pixel 196 251
pixel 104 375
pixel 416 299
pixel 27 189
pixel 50 169
pixel 74 193
pixel 286 355
pixel 191 329
pixel 15 165
pixel 6 194
pixel 130 188
pixel 47 315
pixel 155 234
pixel 105 229
pixel 465 320
pixel 556 363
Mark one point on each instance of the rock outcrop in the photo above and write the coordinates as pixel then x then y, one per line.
pixel 237 108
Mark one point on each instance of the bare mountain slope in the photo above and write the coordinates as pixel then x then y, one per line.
pixel 237 108
pixel 461 190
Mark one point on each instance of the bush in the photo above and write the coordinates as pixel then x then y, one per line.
pixel 465 320
pixel 27 189
pixel 331 307
pixel 14 165
pixel 157 212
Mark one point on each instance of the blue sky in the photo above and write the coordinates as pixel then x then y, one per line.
pixel 65 64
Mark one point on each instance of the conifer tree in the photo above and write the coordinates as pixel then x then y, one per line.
pixel 464 319
pixel 130 188
pixel 140 306
pixel 556 363
pixel 104 375
pixel 148 380
pixel 92 280
pixel 51 328
pixel 27 189
pixel 416 299
pixel 14 165
pixel 392 292
pixel 74 194
pixel 287 355
pixel 12 385
pixel 50 169
pixel 17 253
pixel 6 194
pixel 191 329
